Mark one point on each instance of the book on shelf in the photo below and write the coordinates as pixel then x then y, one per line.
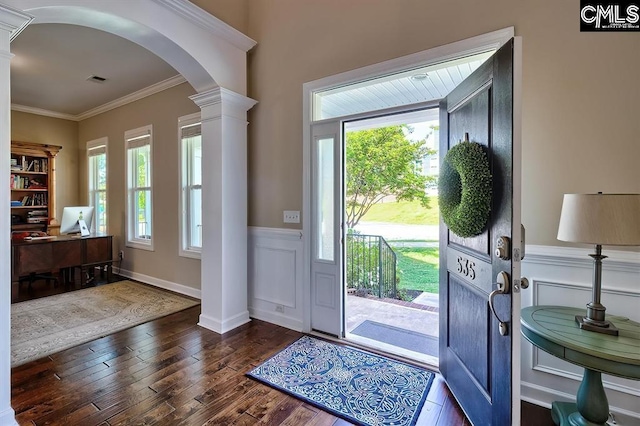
pixel 37 219
pixel 19 182
pixel 39 199
pixel 37 165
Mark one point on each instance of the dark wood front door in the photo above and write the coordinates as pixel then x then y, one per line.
pixel 475 358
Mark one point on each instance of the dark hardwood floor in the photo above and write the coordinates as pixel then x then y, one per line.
pixel 172 372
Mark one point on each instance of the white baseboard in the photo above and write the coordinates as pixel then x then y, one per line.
pixel 540 395
pixel 277 319
pixel 157 282
pixel 222 327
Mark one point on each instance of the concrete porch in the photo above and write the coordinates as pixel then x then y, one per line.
pixel 420 315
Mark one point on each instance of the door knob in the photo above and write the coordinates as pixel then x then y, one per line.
pixel 502 281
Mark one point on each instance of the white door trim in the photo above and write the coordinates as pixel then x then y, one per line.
pixel 481 43
pixel 516 202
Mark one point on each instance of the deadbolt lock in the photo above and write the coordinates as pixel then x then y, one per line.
pixel 503 248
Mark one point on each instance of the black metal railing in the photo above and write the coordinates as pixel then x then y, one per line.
pixel 371 266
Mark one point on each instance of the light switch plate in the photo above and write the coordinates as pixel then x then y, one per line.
pixel 291 216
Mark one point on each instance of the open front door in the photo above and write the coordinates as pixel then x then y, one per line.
pixel 476 343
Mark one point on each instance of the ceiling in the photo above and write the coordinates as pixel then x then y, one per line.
pixel 53 62
pixel 407 87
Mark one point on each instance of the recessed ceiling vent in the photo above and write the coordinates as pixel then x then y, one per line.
pixel 97 79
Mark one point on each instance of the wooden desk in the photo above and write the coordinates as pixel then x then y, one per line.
pixel 40 256
pixel 554 330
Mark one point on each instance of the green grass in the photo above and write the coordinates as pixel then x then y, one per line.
pixel 418 268
pixel 404 212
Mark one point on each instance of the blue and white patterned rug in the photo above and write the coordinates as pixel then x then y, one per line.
pixel 358 386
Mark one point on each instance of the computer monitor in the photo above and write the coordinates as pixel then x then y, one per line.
pixel 70 219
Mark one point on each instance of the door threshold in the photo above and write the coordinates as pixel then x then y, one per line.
pixel 384 349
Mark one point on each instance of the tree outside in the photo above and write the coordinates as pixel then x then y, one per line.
pixel 380 163
pixel 383 162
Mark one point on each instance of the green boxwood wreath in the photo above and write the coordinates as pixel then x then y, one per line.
pixel 464 189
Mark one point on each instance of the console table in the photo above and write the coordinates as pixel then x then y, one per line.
pixel 60 253
pixel 554 330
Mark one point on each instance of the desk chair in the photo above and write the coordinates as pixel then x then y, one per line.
pixel 33 277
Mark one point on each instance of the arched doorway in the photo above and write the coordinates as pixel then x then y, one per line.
pixel 212 57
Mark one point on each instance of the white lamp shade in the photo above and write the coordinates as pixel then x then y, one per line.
pixel 605 219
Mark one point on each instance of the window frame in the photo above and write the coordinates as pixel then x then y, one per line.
pixel 186 248
pixel 101 144
pixel 130 138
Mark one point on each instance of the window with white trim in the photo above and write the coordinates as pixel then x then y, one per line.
pixel 139 187
pixel 190 136
pixel 97 181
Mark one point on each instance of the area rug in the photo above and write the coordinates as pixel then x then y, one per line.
pixel 50 324
pixel 360 387
pixel 399 337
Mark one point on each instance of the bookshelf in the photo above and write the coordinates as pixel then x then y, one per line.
pixel 32 184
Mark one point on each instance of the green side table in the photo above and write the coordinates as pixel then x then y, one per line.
pixel 554 330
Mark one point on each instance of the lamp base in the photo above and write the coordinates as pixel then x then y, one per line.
pixel 607 328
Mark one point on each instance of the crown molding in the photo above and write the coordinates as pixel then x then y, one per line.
pixel 132 97
pixel 43 112
pixel 205 20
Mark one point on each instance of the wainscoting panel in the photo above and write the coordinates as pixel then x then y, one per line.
pixel 275 276
pixel 563 276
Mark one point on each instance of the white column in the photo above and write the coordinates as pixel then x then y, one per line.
pixel 224 209
pixel 11 23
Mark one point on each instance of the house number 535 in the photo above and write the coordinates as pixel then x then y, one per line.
pixel 466 267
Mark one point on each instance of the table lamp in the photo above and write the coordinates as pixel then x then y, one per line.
pixel 600 219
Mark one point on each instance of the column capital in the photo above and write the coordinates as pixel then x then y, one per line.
pixel 228 101
pixel 13 20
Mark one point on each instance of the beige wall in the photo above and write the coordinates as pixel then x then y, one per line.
pixel 580 90
pixel 162 111
pixel 232 12
pixel 54 131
